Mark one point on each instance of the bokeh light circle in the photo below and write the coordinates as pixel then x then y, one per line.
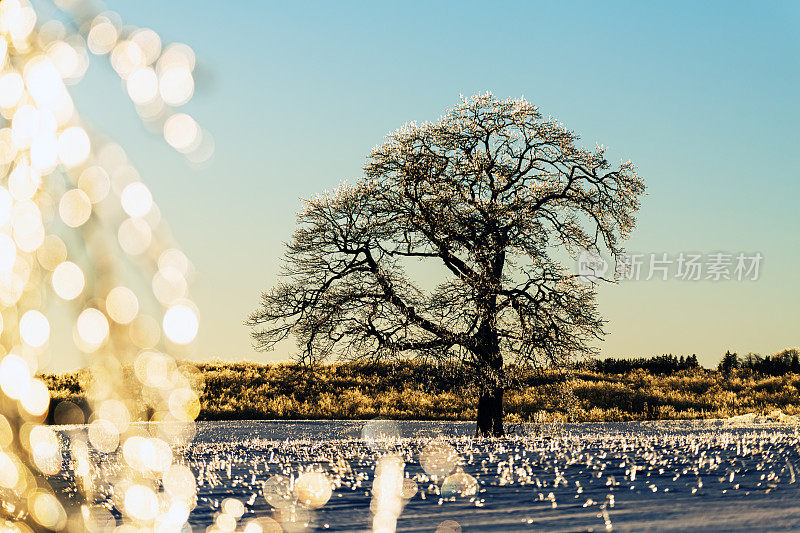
pixel 180 324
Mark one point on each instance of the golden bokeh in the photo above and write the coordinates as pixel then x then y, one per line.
pixel 34 328
pixel 135 236
pixel 92 327
pixel 122 305
pixel 102 37
pixel 136 199
pixel 181 324
pixel 37 399
pixel 313 489
pixel 75 208
pixel 82 243
pixel 142 86
pixel 68 280
pixel 15 376
pixel 94 181
pixel 182 132
pixel 141 503
pixel 23 182
pixel 6 202
pixel 74 146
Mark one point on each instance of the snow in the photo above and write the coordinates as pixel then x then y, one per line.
pixel 735 474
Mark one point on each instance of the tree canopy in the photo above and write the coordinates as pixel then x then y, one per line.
pixel 489 193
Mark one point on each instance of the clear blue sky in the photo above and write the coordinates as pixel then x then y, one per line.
pixel 703 96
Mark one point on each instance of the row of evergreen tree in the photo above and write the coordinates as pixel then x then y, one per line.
pixel 662 364
pixel 777 364
pixel 773 365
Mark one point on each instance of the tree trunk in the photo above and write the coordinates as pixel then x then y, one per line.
pixel 490 413
pixel 490 403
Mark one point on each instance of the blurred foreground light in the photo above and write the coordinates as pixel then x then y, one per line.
pixel 142 86
pixel 7 149
pixel 122 305
pixel 50 31
pixel 11 89
pixel 184 404
pixel 66 59
pixel 176 85
pixel 8 253
pixel 34 328
pixel 180 482
pixel 459 484
pixel 24 125
pixel 52 252
pixel 233 507
pixel 136 199
pixel 37 399
pixel 134 450
pixel 116 412
pixel 102 37
pixel 45 450
pixel 75 208
pixel 176 55
pixel 45 85
pixel 204 149
pixel 6 432
pixel 135 236
pixel 438 459
pixel 313 489
pixel 126 58
pixel 224 523
pixel 74 146
pixel 99 519
pixel 15 376
pixel 23 181
pixel 57 172
pixel 181 132
pixel 9 472
pixel 175 516
pixel 379 432
pixel 26 221
pixel 103 435
pixel 263 525
pixel 180 324
pixel 47 510
pixel 277 492
pixel 149 42
pixel 94 181
pixel 44 152
pixel 145 331
pixel 6 202
pixel 68 280
pixel 92 326
pixel 449 526
pixel 141 503
pixel 169 285
pixel 152 369
pixel 174 258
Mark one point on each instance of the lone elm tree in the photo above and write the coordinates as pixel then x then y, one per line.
pixel 490 194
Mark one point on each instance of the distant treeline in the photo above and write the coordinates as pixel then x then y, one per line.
pixel 771 365
pixel 613 390
pixel 783 362
pixel 662 364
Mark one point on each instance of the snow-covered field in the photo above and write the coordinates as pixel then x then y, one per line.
pixel 735 475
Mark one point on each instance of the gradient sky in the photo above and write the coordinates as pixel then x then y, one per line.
pixel 702 96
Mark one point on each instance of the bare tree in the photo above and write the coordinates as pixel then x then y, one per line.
pixel 491 194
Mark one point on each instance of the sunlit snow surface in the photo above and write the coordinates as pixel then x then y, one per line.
pixel 715 475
